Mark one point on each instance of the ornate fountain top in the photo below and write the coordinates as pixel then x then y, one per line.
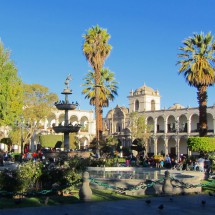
pixel 67 89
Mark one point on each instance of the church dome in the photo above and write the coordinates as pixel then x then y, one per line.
pixel 176 106
pixel 146 90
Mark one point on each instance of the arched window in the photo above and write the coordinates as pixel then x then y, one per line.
pixel 118 127
pixel 152 105
pixel 136 105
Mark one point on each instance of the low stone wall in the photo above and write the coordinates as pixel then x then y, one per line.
pixel 177 186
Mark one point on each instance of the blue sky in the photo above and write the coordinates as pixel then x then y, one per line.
pixel 45 39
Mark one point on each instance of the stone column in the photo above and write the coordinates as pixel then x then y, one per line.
pixel 166 151
pixel 165 126
pixel 155 145
pixel 177 141
pixel 155 125
pixel 214 125
pixel 188 126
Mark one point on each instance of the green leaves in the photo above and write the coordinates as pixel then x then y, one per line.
pixel 196 62
pixel 201 144
pixel 197 56
pixel 11 89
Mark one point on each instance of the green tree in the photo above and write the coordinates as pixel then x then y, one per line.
pixel 201 144
pixel 197 64
pixel 11 89
pixel 139 129
pixel 38 103
pixel 107 91
pixel 96 49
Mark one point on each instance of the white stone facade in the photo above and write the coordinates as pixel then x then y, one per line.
pixel 171 127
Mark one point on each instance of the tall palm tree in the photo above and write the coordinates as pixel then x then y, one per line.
pixel 96 49
pixel 197 65
pixel 107 90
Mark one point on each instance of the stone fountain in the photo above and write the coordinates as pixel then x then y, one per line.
pixel 65 105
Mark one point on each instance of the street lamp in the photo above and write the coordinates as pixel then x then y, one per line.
pixel 21 129
pixel 20 124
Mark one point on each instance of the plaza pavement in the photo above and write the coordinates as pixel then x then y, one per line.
pixel 176 205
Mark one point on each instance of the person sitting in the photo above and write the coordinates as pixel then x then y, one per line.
pixel 6 156
pixel 199 164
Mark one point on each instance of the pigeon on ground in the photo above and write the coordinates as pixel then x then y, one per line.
pixel 210 194
pixel 148 201
pixel 203 202
pixel 161 207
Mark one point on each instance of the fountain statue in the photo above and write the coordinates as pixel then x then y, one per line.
pixel 65 105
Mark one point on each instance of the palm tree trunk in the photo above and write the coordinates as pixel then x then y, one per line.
pixel 97 78
pixel 100 123
pixel 202 99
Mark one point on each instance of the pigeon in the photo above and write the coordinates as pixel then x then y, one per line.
pixel 203 202
pixel 148 201
pixel 161 207
pixel 210 194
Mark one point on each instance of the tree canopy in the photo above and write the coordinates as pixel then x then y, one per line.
pixel 11 89
pixel 38 103
pixel 197 59
pixel 139 129
pixel 201 144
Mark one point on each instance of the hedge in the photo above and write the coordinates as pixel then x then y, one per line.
pixel 50 140
pixel 204 144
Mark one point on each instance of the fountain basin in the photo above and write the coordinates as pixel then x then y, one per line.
pixel 65 106
pixel 66 129
pixel 127 177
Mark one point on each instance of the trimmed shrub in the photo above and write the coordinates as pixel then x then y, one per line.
pixel 201 144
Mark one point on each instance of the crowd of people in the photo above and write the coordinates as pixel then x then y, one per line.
pixel 4 157
pixel 201 163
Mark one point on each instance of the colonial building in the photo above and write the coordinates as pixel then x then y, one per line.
pixel 85 135
pixel 171 127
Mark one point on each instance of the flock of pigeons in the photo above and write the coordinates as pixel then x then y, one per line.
pixel 161 206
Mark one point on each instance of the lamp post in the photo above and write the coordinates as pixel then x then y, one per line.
pixel 20 124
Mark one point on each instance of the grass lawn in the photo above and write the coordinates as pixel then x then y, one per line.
pixel 98 195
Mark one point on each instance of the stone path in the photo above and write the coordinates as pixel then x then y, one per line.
pixel 176 205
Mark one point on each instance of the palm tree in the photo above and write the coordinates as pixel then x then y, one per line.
pixel 197 65
pixel 96 49
pixel 107 90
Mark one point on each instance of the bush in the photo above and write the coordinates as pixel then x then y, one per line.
pixel 30 172
pixel 79 164
pixel 10 181
pixel 201 144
